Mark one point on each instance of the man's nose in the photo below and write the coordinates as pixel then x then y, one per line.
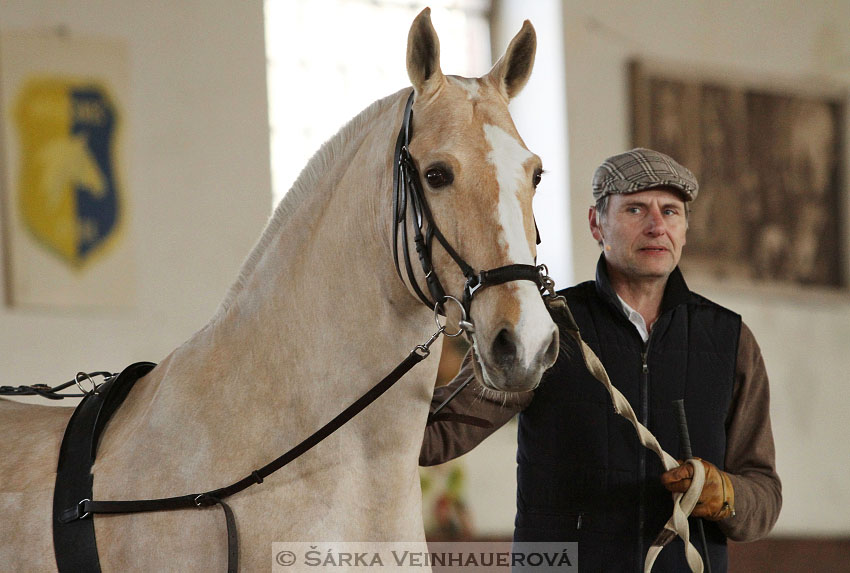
pixel 655 223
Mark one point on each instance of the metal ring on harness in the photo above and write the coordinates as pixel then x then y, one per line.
pixel 462 321
pixel 79 377
pixel 80 505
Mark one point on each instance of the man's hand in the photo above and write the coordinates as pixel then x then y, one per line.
pixel 717 500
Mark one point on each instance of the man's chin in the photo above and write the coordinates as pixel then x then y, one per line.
pixel 653 267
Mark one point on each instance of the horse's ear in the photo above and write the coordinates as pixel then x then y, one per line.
pixel 512 71
pixel 423 56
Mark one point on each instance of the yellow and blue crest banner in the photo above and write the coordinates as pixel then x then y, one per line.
pixel 68 193
pixel 64 216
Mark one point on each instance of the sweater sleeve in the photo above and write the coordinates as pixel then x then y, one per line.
pixel 447 439
pixel 750 453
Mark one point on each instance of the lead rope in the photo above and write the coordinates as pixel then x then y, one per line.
pixel 683 504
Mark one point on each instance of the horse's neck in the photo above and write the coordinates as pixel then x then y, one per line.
pixel 318 318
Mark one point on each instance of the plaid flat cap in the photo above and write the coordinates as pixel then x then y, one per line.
pixel 641 169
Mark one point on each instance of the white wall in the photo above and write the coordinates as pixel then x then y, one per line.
pixel 804 337
pixel 197 177
pixel 541 119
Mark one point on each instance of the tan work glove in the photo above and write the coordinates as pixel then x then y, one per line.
pixel 717 500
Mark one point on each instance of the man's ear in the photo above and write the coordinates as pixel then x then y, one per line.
pixel 593 221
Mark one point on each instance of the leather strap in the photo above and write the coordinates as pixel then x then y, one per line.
pixel 73 508
pixel 74 542
pixel 45 391
pixel 500 275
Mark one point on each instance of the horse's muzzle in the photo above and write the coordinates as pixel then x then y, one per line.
pixel 506 365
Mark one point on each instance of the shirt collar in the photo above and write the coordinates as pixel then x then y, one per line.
pixel 635 318
pixel 676 291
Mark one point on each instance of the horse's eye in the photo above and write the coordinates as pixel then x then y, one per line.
pixel 538 175
pixel 438 177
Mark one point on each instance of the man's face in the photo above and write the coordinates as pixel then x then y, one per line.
pixel 642 233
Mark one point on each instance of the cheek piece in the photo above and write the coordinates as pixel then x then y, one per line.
pixel 411 209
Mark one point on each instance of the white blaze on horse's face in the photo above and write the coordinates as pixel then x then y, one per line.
pixel 462 126
pixel 508 156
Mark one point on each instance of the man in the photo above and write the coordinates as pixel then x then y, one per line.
pixel 582 474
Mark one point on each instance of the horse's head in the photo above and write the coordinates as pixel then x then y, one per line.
pixel 478 179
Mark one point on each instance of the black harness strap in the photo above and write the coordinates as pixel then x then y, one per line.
pixel 74 504
pixel 74 541
pixel 52 393
pixel 499 276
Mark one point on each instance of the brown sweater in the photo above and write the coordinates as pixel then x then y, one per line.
pixel 750 453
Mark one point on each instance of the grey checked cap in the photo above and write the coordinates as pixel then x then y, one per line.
pixel 641 169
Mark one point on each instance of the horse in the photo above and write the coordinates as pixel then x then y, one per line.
pixel 317 314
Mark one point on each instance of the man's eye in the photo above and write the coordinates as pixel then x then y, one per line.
pixel 438 177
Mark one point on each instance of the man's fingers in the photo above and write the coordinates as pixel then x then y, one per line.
pixel 680 486
pixel 678 479
pixel 717 498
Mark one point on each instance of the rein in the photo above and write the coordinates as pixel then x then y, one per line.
pixel 683 503
pixel 73 534
pixel 52 393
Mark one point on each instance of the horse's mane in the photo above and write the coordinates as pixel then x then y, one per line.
pixel 306 183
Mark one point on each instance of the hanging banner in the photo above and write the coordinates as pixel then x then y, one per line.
pixel 63 101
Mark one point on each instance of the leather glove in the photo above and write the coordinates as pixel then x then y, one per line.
pixel 717 500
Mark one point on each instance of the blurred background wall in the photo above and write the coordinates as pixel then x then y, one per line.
pixel 199 187
pixel 196 177
pixel 804 335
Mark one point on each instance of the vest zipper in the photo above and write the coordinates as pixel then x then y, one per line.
pixel 644 419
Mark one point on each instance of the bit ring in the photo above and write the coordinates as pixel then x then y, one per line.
pixel 442 326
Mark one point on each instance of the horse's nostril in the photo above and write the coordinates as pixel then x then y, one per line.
pixel 504 347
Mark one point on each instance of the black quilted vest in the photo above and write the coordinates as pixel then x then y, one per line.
pixel 583 476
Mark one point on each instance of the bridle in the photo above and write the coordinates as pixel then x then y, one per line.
pixel 409 203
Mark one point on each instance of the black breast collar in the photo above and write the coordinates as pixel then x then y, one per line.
pixel 73 539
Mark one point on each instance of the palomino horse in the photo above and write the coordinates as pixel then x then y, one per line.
pixel 316 317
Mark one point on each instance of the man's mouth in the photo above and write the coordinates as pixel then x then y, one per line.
pixel 654 249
